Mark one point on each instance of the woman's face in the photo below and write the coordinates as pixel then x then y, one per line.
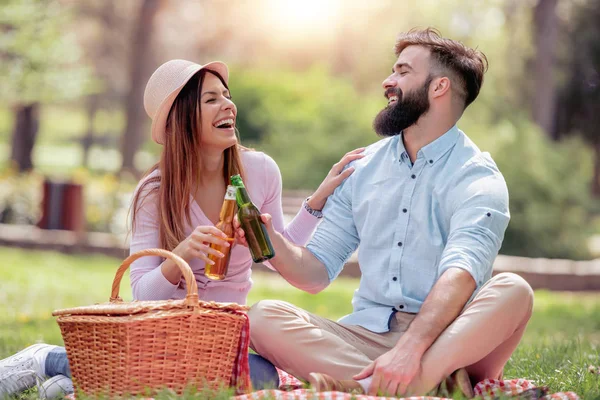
pixel 217 113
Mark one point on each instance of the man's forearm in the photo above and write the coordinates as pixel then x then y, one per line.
pixel 298 266
pixel 445 302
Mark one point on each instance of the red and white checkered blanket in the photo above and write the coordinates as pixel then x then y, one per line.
pixel 291 388
pixel 240 378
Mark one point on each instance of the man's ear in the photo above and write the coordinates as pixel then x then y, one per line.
pixel 440 86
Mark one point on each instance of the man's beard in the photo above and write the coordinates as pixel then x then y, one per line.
pixel 404 113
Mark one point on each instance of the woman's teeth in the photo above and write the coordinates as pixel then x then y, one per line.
pixel 224 123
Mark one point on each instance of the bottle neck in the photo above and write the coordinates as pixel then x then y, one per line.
pixel 230 192
pixel 227 211
pixel 242 197
pixel 228 207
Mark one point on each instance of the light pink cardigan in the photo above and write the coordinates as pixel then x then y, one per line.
pixel 263 181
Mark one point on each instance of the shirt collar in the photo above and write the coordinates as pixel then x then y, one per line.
pixel 440 146
pixel 433 151
pixel 400 147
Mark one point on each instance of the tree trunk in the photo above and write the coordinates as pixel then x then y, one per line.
pixel 546 27
pixel 595 189
pixel 24 135
pixel 135 115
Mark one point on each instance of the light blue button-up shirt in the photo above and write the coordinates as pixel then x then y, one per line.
pixel 413 222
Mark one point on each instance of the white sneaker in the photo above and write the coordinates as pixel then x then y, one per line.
pixel 32 358
pixel 57 386
pixel 16 382
pixel 22 370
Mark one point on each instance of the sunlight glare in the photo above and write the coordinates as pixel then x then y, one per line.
pixel 303 16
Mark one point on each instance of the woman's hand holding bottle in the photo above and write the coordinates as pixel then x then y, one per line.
pixel 197 245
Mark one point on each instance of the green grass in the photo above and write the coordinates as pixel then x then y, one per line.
pixel 561 341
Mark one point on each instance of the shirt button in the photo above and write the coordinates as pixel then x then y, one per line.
pixel 401 306
pixel 404 210
pixel 413 176
pixel 399 244
pixel 430 161
pixel 394 279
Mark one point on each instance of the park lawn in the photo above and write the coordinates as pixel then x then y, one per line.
pixel 561 341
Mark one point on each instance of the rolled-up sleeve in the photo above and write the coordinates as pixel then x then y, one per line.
pixel 477 226
pixel 336 238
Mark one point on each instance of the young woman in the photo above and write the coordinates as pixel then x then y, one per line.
pixel 177 204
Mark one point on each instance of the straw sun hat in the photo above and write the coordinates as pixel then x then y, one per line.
pixel 165 84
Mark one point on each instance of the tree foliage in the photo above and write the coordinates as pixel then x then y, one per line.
pixel 306 121
pixel 39 59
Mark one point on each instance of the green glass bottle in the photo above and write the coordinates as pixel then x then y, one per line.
pixel 257 237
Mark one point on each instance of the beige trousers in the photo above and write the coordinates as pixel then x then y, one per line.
pixel 481 339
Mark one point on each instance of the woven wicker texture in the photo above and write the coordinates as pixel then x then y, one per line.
pixel 140 347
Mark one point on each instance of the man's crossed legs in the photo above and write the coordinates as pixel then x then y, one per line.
pixel 481 339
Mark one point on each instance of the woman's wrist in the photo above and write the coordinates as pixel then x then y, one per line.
pixel 171 271
pixel 315 205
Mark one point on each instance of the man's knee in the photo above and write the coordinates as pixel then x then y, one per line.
pixel 259 312
pixel 516 289
pixel 261 316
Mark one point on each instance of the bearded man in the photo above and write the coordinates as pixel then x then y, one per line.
pixel 429 211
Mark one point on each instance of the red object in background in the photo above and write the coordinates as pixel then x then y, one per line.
pixel 62 206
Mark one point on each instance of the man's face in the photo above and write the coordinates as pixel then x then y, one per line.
pixel 407 91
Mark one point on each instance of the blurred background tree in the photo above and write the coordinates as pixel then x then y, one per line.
pixel 306 77
pixel 39 62
pixel 579 97
pixel 138 65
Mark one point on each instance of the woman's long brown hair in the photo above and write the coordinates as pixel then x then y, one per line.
pixel 179 164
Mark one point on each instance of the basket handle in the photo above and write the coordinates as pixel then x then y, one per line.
pixel 191 299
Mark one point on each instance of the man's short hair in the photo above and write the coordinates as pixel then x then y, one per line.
pixel 464 66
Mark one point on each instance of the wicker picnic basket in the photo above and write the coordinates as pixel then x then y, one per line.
pixel 119 348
